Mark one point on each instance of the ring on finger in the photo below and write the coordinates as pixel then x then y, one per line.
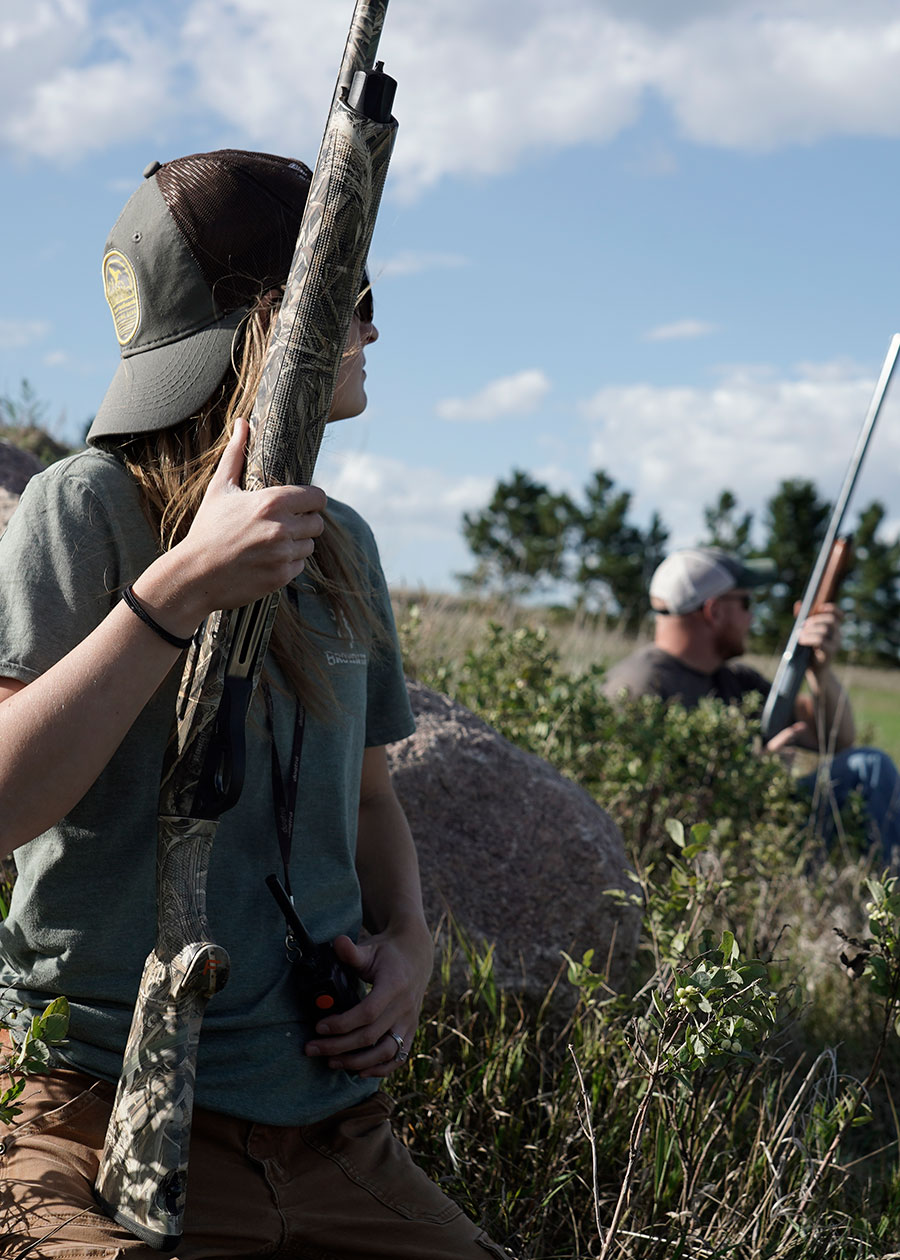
pixel 401 1055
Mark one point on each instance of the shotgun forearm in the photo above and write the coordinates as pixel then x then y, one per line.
pixel 143 1175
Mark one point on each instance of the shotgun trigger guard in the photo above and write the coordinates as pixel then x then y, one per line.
pixel 221 782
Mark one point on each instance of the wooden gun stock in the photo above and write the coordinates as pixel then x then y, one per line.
pixel 836 570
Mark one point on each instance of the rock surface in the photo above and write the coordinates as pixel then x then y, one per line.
pixel 517 854
pixel 16 469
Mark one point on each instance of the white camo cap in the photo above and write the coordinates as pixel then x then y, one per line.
pixel 687 579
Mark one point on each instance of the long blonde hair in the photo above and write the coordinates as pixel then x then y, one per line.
pixel 173 467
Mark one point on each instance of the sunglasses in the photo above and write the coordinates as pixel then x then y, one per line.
pixel 365 305
pixel 745 601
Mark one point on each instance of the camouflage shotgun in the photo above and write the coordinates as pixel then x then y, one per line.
pixel 143 1173
pixel 779 707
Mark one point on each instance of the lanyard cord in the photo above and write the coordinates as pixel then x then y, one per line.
pixel 284 788
pixel 327 983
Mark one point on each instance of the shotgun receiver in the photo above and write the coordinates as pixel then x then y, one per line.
pixel 143 1172
pixel 827 573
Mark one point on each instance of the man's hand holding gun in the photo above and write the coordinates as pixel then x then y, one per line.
pixel 824 718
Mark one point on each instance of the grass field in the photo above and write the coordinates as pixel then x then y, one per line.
pixel 875 695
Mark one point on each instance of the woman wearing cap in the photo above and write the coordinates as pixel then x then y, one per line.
pixel 112 560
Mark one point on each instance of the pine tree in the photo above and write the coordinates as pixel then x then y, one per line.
pixel 520 539
pixel 615 559
pixel 795 520
pixel 725 528
pixel 871 630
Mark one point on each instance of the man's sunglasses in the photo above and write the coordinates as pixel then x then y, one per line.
pixel 744 600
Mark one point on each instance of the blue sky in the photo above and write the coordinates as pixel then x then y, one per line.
pixel 654 238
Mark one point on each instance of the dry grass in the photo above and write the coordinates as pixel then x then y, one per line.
pixel 450 625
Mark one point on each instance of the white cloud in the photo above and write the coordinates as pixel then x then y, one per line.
pixel 391 491
pixel 680 330
pixel 15 334
pixel 676 448
pixel 482 88
pixel 415 512
pixel 495 91
pixel 267 70
pixel 40 18
pixel 412 262
pixel 508 396
pixel 73 81
pixel 51 25
pixel 770 74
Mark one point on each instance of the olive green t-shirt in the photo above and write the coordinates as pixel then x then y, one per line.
pixel 83 914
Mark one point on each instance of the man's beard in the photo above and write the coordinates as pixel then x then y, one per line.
pixel 730 642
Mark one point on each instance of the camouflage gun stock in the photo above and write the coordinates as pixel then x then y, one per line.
pixel 143 1174
pixel 778 711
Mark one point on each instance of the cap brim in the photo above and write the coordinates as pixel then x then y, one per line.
pixel 758 573
pixel 157 388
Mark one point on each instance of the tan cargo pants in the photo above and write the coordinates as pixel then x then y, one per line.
pixel 342 1189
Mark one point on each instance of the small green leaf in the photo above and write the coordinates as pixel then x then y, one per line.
pixel 729 947
pixel 675 829
pixel 750 971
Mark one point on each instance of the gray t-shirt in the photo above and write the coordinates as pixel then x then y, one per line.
pixel 83 915
pixel 652 672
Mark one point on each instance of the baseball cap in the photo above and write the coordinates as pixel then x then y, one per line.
pixel 688 578
pixel 195 246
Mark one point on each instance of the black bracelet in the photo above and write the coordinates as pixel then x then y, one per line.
pixel 131 600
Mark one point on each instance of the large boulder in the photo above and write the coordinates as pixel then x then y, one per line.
pixel 516 854
pixel 17 467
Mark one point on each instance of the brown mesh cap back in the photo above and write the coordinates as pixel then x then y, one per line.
pixel 239 213
pixel 197 243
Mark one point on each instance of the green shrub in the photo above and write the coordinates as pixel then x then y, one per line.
pixel 32 1055
pixel 645 761
pixel 737 1100
pixel 679 1119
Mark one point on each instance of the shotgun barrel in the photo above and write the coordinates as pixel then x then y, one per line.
pixel 779 707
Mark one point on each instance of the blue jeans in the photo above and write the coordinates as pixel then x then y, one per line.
pixel 876 776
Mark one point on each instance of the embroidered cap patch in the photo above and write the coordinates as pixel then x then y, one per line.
pixel 120 286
